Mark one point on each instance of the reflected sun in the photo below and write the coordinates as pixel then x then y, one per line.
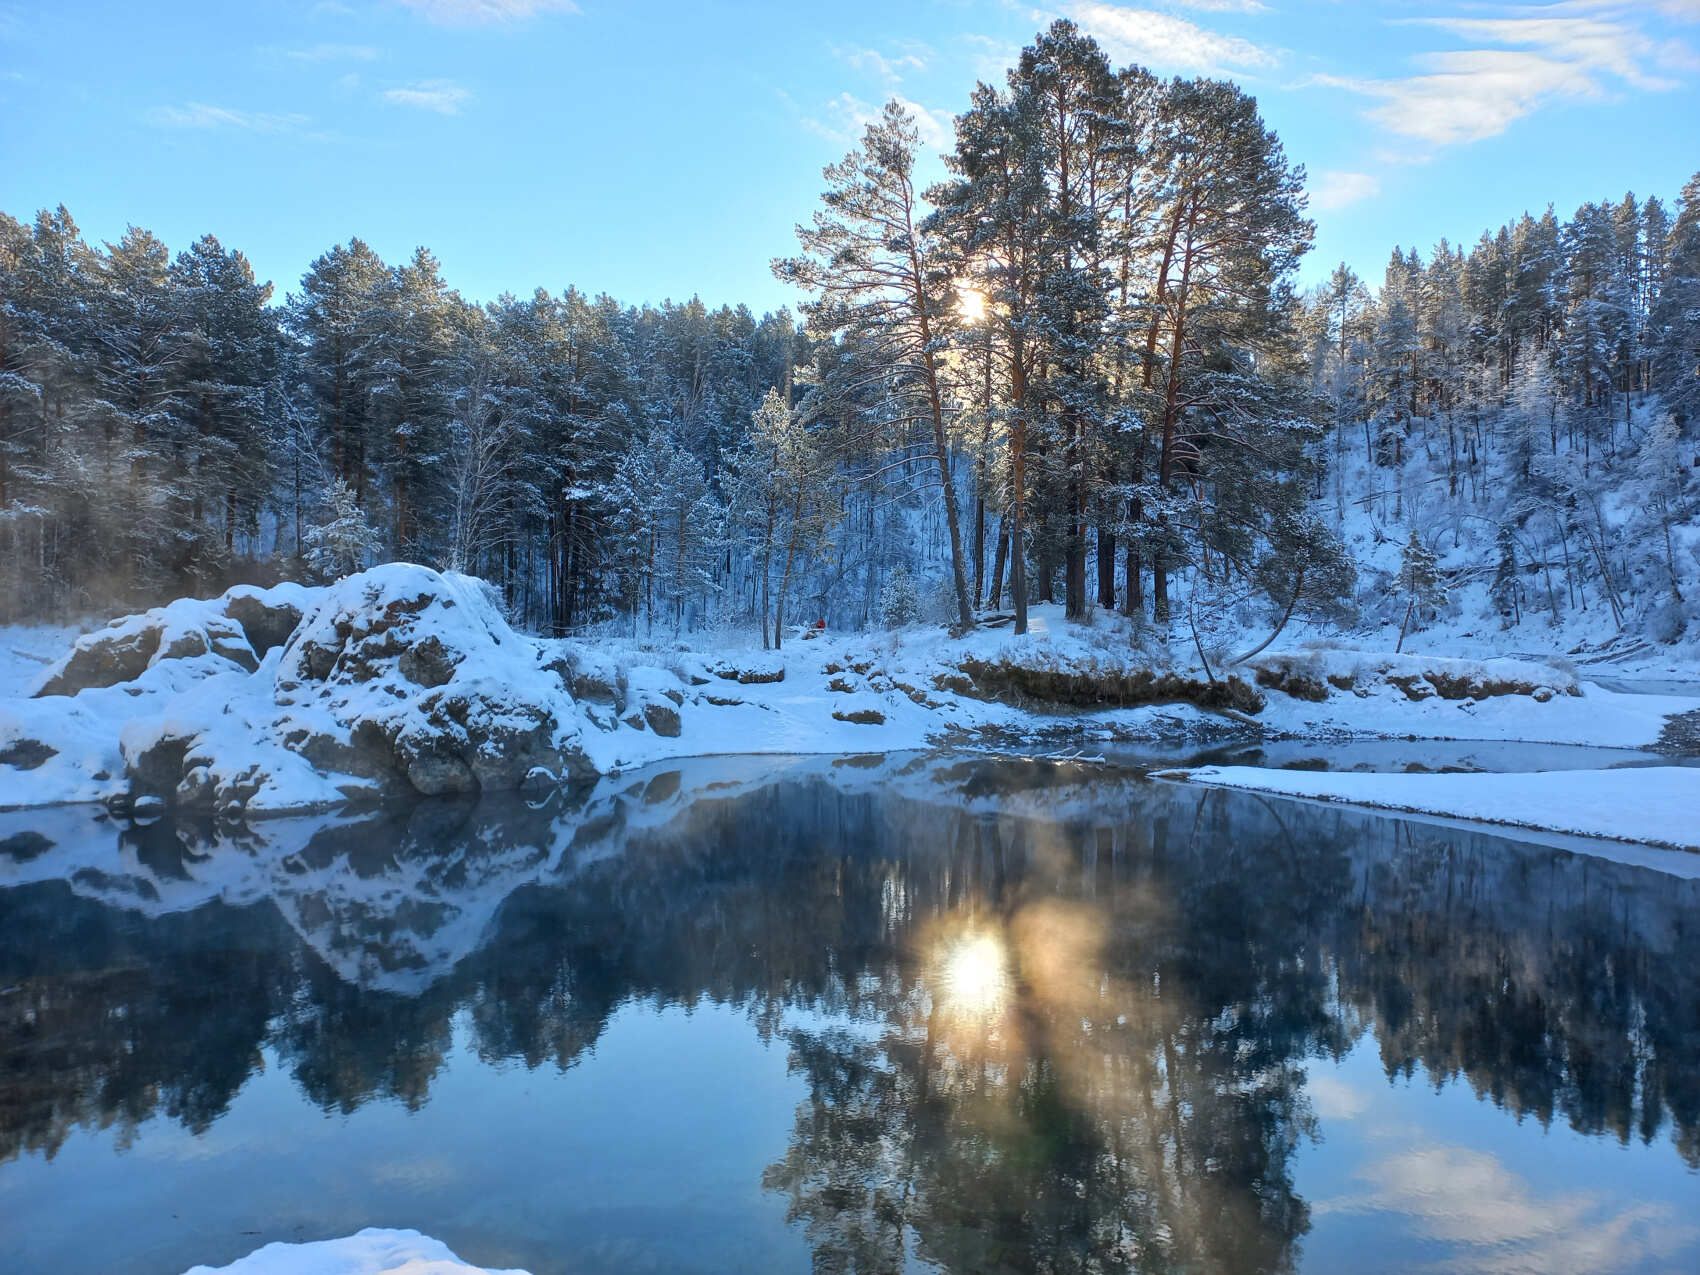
pixel 975 975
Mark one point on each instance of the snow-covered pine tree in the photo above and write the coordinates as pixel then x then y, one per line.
pixel 232 397
pixel 338 320
pixel 900 604
pixel 345 542
pixel 1420 583
pixel 1674 337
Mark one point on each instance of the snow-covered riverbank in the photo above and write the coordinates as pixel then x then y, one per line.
pixel 1652 805
pixel 401 680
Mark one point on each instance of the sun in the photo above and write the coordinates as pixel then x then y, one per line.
pixel 970 303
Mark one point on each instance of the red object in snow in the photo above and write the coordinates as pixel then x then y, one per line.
pixel 820 624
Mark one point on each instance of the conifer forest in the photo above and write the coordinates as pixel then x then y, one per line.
pixel 1078 370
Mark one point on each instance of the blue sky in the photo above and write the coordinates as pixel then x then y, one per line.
pixel 655 149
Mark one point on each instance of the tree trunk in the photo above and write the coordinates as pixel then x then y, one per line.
pixel 1106 567
pixel 766 575
pixel 1018 493
pixel 785 577
pixel 941 444
pixel 1134 602
pixel 980 539
pixel 1000 559
pixel 1159 585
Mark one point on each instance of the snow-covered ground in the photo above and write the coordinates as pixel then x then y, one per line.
pixel 403 674
pixel 1653 805
pixel 1579 711
pixel 27 649
pixel 370 1252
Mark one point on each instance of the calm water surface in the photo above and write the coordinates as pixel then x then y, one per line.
pixel 859 1014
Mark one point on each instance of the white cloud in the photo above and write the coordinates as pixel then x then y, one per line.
pixel 1581 42
pixel 1682 10
pixel 204 115
pixel 445 97
pixel 467 13
pixel 1334 1099
pixel 1223 6
pixel 1469 96
pixel 891 68
pixel 846 117
pixel 334 53
pixel 1165 41
pixel 1466 95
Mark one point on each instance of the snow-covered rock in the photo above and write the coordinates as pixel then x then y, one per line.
pixel 370 1252
pixel 238 627
pixel 1320 672
pixel 398 678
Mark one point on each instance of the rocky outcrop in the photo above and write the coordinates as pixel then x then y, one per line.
pixel 1059 687
pixel 1316 675
pixel 397 681
pixel 238 628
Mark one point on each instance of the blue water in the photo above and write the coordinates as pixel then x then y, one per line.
pixel 850 1014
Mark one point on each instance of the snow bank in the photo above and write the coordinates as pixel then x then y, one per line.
pixel 1656 805
pixel 402 681
pixel 1328 691
pixel 26 650
pixel 1321 672
pixel 371 1252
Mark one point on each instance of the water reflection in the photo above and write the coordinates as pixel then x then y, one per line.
pixel 1490 1219
pixel 1045 1018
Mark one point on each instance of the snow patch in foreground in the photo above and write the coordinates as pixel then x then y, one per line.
pixel 372 1252
pixel 1654 805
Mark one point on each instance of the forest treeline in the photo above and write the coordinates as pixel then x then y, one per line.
pixel 1077 370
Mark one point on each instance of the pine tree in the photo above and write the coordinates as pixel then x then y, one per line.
pixel 900 605
pixel 1506 591
pixel 338 319
pixel 1675 334
pixel 1420 582
pixel 345 541
pixel 992 218
pixel 1235 232
pixel 872 266
pixel 231 392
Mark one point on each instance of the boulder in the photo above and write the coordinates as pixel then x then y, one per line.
pixel 750 670
pixel 103 658
pixel 396 681
pixel 157 767
pixel 663 719
pixel 267 616
pixel 238 627
pixel 26 754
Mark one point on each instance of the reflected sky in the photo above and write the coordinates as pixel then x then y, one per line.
pixel 868 1015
